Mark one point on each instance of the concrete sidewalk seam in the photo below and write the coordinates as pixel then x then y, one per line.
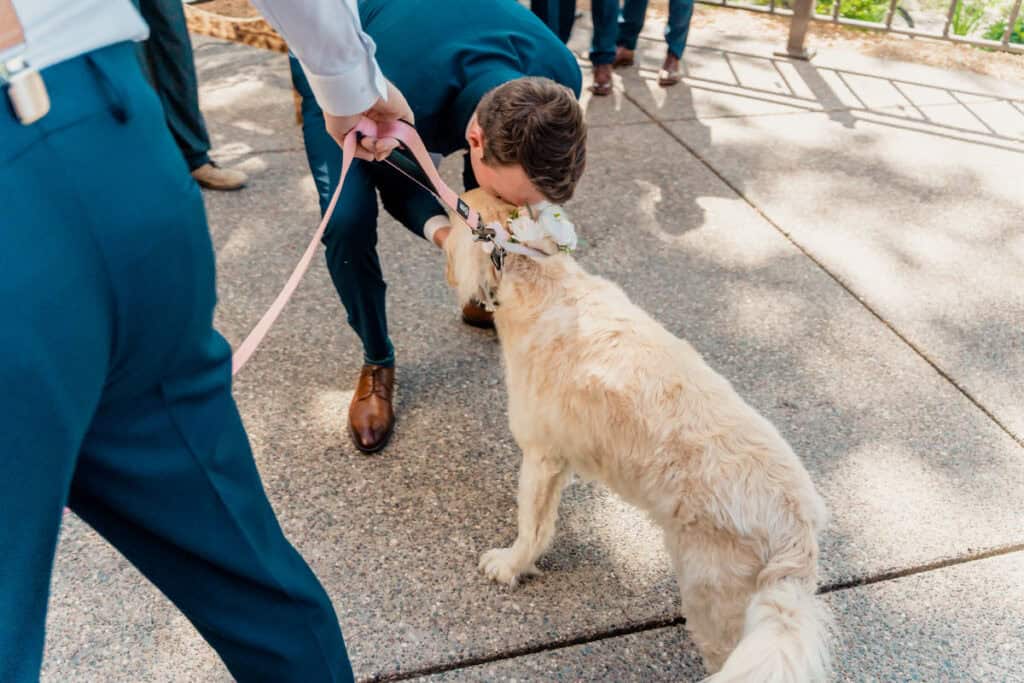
pixel 672 622
pixel 515 653
pixel 997 551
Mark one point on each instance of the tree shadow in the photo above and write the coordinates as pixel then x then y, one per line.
pixel 728 82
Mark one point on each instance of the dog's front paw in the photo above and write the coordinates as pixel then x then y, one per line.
pixel 502 565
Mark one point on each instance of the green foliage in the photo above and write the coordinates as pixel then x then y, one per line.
pixel 864 10
pixel 996 30
pixel 966 17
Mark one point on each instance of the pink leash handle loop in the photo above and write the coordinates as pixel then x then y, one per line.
pixel 410 139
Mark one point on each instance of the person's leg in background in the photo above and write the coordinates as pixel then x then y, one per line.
pixel 561 25
pixel 680 12
pixel 566 19
pixel 605 14
pixel 124 388
pixel 351 241
pixel 632 23
pixel 168 61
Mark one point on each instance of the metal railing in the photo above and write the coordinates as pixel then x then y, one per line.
pixel 802 12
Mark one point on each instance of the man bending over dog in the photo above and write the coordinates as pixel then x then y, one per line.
pixel 480 75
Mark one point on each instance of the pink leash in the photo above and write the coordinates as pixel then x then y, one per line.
pixel 406 135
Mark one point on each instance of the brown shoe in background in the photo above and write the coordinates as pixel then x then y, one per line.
pixel 623 57
pixel 371 417
pixel 602 80
pixel 213 177
pixel 671 71
pixel 475 315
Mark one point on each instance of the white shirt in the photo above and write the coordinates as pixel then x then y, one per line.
pixel 56 30
pixel 338 58
pixel 325 35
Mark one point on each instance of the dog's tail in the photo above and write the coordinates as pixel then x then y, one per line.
pixel 787 631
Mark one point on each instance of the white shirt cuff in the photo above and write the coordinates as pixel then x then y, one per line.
pixel 351 92
pixel 433 225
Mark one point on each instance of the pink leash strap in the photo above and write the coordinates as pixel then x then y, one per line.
pixel 408 136
pixel 244 352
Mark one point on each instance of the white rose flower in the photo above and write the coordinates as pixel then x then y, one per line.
pixel 554 222
pixel 525 229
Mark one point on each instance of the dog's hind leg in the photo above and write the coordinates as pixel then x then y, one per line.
pixel 716 578
pixel 541 480
pixel 714 620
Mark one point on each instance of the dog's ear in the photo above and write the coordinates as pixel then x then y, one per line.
pixel 459 252
pixel 487 205
pixel 468 267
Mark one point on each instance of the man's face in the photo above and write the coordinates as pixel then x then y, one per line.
pixel 508 183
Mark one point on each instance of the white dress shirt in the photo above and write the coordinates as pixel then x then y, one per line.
pixel 325 35
pixel 56 30
pixel 338 58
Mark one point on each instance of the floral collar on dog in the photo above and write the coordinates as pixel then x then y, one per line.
pixel 544 231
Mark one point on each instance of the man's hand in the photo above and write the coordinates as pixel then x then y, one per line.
pixel 339 126
pixel 371 148
pixel 395 107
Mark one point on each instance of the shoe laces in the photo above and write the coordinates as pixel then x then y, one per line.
pixel 378 387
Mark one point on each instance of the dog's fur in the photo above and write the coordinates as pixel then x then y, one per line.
pixel 597 387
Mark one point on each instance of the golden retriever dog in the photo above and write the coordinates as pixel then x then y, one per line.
pixel 597 387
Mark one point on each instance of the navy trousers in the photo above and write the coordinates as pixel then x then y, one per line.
pixel 351 234
pixel 169 65
pixel 559 15
pixel 610 30
pixel 117 390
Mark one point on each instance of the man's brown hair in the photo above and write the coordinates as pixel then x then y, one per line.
pixel 538 124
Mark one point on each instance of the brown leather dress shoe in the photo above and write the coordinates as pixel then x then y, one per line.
pixel 623 57
pixel 213 177
pixel 671 71
pixel 371 417
pixel 602 80
pixel 475 315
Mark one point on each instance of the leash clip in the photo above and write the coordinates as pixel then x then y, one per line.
pixel 25 90
pixel 498 258
pixel 483 233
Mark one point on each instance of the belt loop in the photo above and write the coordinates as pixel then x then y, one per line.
pixel 115 98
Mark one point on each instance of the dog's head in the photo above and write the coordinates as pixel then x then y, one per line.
pixel 469 268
